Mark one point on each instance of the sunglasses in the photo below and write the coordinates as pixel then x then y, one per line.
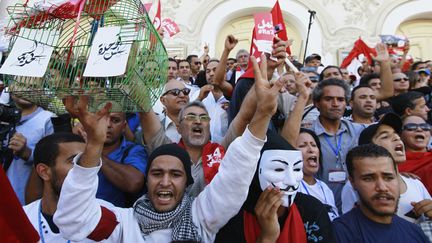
pixel 197 63
pixel 313 79
pixel 193 117
pixel 400 79
pixel 414 126
pixel 176 92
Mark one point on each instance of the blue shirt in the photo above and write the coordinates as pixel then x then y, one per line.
pixel 355 227
pixel 345 139
pixel 137 157
pixel 33 127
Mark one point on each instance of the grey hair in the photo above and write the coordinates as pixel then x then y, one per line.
pixel 195 103
pixel 318 90
pixel 240 52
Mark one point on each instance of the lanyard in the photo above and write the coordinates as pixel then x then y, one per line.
pixel 40 223
pixel 338 145
pixel 322 190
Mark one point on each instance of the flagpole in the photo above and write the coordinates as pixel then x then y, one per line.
pixel 311 18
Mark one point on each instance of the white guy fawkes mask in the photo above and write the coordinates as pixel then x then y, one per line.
pixel 282 169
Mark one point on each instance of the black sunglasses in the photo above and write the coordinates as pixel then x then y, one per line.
pixel 400 79
pixel 197 63
pixel 176 92
pixel 414 126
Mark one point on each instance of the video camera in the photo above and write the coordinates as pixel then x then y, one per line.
pixel 9 115
pixel 9 118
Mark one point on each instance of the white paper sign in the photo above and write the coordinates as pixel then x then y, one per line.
pixel 108 54
pixel 27 58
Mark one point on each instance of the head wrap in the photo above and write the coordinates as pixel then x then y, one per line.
pixel 176 151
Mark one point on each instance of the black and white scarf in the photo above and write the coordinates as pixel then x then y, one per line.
pixel 180 219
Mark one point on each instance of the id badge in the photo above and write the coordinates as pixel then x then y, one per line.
pixel 337 176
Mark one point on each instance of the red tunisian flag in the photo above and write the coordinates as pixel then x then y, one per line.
pixel 157 19
pixel 279 23
pixel 359 48
pixel 14 224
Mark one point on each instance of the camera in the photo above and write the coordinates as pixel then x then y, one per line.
pixel 9 118
pixel 9 115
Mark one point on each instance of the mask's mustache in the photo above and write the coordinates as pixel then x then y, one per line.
pixel 288 188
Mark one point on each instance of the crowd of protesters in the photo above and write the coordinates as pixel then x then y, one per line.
pixel 237 150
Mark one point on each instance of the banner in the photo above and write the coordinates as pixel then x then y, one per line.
pixel 108 54
pixel 170 27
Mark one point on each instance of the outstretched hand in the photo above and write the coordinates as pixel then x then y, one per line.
pixel 95 124
pixel 303 84
pixel 266 95
pixel 382 53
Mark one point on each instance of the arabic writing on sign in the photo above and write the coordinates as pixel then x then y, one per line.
pixel 30 56
pixel 108 50
pixel 265 25
pixel 265 28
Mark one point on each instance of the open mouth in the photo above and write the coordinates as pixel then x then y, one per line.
pixel 164 195
pixel 313 161
pixel 197 130
pixel 399 150
pixel 419 137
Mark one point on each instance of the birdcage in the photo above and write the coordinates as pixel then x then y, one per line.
pixel 70 30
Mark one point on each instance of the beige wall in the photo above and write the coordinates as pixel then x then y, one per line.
pixel 241 29
pixel 419 33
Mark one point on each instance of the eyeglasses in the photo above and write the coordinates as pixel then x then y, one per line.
pixel 193 117
pixel 414 126
pixel 313 79
pixel 400 79
pixel 176 92
pixel 197 63
pixel 243 56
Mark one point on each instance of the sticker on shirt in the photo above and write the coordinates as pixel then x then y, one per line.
pixel 337 176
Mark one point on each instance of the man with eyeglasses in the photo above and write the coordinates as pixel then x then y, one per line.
pixel 174 98
pixel 193 124
pixel 416 134
pixel 400 83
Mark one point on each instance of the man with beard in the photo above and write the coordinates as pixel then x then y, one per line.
pixel 372 172
pixel 52 167
pixel 415 204
pixel 166 213
pixel 35 124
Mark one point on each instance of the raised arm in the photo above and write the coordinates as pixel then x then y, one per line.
pixel 225 86
pixel 385 72
pixel 291 128
pixel 79 219
pixel 95 126
pixel 239 164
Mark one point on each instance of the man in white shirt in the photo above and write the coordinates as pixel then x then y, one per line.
pixel 166 213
